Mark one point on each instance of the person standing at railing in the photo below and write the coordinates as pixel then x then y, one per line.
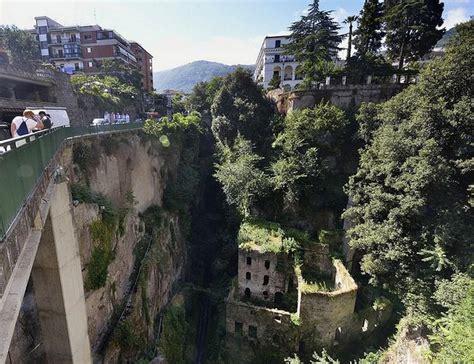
pixel 45 119
pixel 23 125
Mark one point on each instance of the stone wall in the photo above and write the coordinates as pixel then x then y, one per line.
pixel 317 256
pixel 257 271
pixel 271 327
pixel 323 314
pixel 344 97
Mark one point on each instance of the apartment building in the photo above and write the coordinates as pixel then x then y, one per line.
pixel 273 62
pixel 145 63
pixel 82 48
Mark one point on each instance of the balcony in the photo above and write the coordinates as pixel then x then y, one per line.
pixel 58 56
pixel 283 59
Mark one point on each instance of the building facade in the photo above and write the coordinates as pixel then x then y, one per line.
pixel 145 63
pixel 273 62
pixel 83 48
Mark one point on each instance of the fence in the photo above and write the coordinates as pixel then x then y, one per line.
pixel 26 159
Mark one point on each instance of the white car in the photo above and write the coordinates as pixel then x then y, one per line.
pixel 98 121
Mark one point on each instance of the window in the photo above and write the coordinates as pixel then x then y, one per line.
pixel 73 38
pixel 238 327
pixel 267 264
pixel 252 332
pixel 58 38
pixel 44 44
pixel 90 64
pixel 87 36
pixel 265 294
pixel 247 292
pixel 43 30
pixel 248 276
pixel 89 50
pixel 265 280
pixel 76 66
pixel 277 58
pixel 277 43
pixel 249 261
pixel 60 53
pixel 338 334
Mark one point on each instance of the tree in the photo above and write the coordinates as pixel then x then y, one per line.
pixel 275 82
pixel 243 182
pixel 412 28
pixel 107 91
pixel 412 212
pixel 21 45
pixel 314 42
pixel 125 73
pixel 349 20
pixel 202 96
pixel 308 168
pixel 240 107
pixel 369 33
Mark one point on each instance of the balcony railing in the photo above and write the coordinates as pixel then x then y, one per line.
pixel 25 159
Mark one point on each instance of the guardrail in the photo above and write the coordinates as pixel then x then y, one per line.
pixel 26 159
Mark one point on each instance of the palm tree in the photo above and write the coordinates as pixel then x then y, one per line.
pixel 349 20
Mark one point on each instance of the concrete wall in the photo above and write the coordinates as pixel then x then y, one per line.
pixel 277 277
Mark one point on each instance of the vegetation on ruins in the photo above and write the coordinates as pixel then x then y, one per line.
pixel 22 47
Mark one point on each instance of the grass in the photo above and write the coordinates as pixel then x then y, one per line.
pixel 269 237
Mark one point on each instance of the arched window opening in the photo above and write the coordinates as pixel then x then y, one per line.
pixel 288 76
pixel 265 295
pixel 248 275
pixel 247 293
pixel 266 279
pixel 267 264
pixel 249 261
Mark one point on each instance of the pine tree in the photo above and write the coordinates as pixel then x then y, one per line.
pixel 412 28
pixel 314 43
pixel 369 34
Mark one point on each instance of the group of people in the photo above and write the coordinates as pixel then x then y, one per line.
pixel 29 123
pixel 112 118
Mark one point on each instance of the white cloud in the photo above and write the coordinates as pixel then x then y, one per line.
pixel 455 16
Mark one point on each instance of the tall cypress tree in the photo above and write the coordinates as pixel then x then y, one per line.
pixel 314 43
pixel 369 33
pixel 412 28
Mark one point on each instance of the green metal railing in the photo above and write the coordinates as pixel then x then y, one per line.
pixel 25 160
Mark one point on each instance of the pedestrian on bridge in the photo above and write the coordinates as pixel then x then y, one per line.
pixel 23 125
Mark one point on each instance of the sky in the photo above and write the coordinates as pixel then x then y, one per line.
pixel 177 32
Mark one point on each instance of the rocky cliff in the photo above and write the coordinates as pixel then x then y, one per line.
pixel 132 249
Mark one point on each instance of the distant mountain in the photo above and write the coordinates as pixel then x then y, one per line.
pixel 183 78
pixel 446 37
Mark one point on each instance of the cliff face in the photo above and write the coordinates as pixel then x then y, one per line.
pixel 118 183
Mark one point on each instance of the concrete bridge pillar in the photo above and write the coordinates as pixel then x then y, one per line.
pixel 59 291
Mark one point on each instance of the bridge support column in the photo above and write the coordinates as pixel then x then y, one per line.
pixel 59 290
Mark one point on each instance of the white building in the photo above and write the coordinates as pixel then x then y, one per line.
pixel 272 61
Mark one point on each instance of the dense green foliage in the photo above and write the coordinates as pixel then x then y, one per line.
pixel 107 91
pixel 202 96
pixel 173 335
pixel 22 47
pixel 126 74
pixel 453 337
pixel 309 157
pixel 314 43
pixel 243 182
pixel 240 107
pixel 369 33
pixel 412 28
pixel 411 209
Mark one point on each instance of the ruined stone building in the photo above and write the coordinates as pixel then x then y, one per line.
pixel 293 295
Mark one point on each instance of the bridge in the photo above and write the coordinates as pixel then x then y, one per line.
pixel 37 240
